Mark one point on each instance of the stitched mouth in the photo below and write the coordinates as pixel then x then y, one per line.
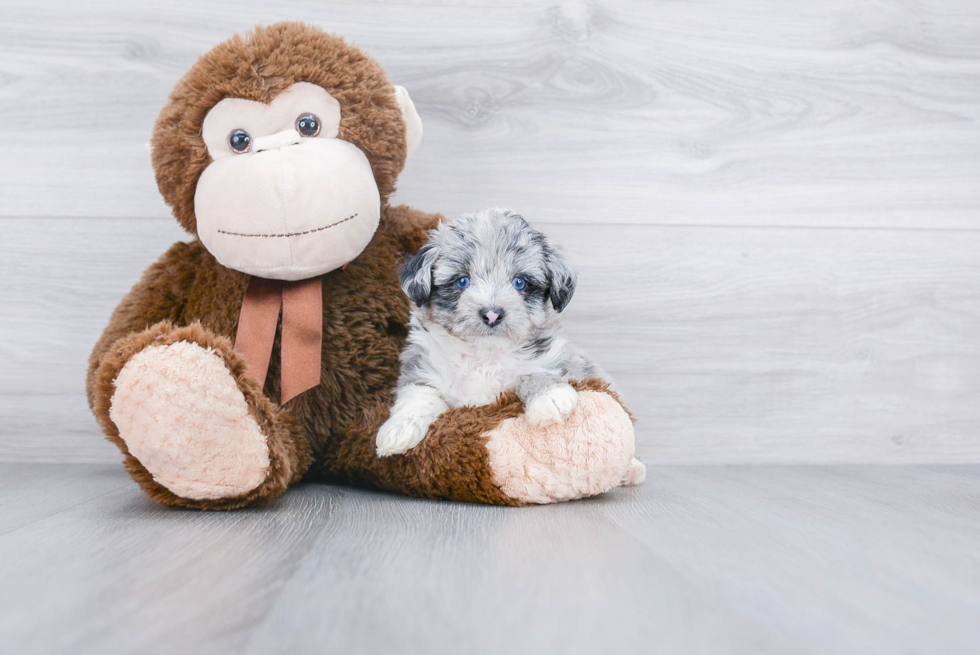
pixel 289 234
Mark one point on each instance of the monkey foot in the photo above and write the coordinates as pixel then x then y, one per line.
pixel 588 454
pixel 182 415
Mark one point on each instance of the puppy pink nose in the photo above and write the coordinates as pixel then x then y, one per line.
pixel 491 316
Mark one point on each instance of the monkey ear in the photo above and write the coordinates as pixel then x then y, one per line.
pixel 413 123
pixel 416 275
pixel 561 278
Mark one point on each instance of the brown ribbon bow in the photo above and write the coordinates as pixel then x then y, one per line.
pixel 302 332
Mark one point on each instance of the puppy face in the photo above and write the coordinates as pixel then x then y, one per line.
pixel 489 274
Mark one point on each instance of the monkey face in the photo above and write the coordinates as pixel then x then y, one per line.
pixel 278 149
pixel 283 197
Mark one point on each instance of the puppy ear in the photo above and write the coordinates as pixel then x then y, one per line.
pixel 416 275
pixel 561 278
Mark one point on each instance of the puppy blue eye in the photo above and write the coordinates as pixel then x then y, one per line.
pixel 463 282
pixel 519 283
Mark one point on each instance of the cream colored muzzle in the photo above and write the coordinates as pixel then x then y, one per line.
pixel 289 209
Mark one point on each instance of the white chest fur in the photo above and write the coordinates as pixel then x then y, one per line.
pixel 471 373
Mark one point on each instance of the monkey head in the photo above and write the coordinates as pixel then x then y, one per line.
pixel 279 149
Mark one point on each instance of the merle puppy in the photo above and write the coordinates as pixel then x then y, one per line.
pixel 487 289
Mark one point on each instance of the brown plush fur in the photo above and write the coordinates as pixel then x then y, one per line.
pixel 328 431
pixel 260 67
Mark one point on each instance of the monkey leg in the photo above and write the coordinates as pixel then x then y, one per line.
pixel 589 453
pixel 194 430
pixel 492 454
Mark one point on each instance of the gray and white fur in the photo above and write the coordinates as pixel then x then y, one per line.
pixel 487 290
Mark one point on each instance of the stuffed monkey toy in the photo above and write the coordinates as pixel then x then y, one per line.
pixel 265 351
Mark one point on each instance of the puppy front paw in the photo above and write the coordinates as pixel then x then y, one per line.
pixel 551 407
pixel 399 435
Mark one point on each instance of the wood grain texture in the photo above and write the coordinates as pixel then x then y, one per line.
pixel 767 345
pixel 619 111
pixel 730 345
pixel 774 207
pixel 738 560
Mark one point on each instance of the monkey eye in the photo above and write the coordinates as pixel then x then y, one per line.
pixel 240 141
pixel 308 125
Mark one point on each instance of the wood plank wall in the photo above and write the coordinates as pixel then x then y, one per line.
pixel 774 207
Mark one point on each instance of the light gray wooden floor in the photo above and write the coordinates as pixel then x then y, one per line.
pixel 743 559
